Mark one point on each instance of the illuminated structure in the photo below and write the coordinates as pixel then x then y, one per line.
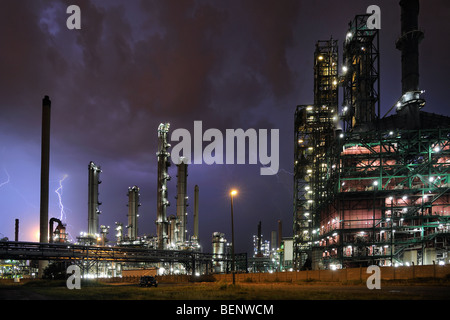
pixel 163 176
pixel 377 190
pixel 133 212
pixel 180 236
pixel 93 202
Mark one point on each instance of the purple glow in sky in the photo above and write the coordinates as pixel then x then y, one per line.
pixel 136 63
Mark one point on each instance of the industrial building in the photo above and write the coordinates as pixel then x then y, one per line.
pixel 370 189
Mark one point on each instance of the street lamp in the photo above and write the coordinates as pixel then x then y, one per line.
pixel 232 193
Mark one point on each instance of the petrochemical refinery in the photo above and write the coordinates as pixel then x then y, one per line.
pixel 368 189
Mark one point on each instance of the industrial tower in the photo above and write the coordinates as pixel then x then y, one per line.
pixel 162 194
pixel 93 202
pixel 371 189
pixel 133 212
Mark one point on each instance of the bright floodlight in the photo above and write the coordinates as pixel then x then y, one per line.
pixel 233 192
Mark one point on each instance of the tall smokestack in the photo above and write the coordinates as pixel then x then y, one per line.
pixel 408 44
pixel 16 233
pixel 410 103
pixel 45 164
pixel 196 212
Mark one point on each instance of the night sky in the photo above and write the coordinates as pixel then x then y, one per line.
pixel 136 63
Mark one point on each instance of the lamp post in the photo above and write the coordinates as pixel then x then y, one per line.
pixel 232 193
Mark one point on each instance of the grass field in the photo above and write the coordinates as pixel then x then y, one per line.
pixel 92 290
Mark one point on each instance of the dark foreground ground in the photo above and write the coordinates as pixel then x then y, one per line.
pixel 221 300
pixel 57 290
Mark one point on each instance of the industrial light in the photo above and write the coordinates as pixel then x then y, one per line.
pixel 437 149
pixel 320 57
pixel 233 192
pixel 344 68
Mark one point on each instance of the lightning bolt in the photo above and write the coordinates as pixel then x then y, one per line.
pixel 59 192
pixel 7 181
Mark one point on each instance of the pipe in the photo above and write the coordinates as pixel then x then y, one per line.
pixel 52 220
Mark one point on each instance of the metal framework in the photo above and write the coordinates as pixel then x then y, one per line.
pixel 89 257
pixel 376 191
pixel 389 199
pixel 361 64
pixel 314 128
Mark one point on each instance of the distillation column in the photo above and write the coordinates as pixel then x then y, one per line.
pixel 93 203
pixel 181 202
pixel 133 212
pixel 196 213
pixel 163 176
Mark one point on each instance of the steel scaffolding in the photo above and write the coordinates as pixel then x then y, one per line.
pixel 314 127
pixel 389 200
pixel 377 190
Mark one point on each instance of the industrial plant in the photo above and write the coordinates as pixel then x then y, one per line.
pixel 370 189
pixel 170 251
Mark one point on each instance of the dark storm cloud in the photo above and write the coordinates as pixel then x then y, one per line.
pixel 231 64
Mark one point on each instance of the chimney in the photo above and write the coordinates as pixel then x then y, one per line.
pixel 16 234
pixel 408 44
pixel 410 103
pixel 45 163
